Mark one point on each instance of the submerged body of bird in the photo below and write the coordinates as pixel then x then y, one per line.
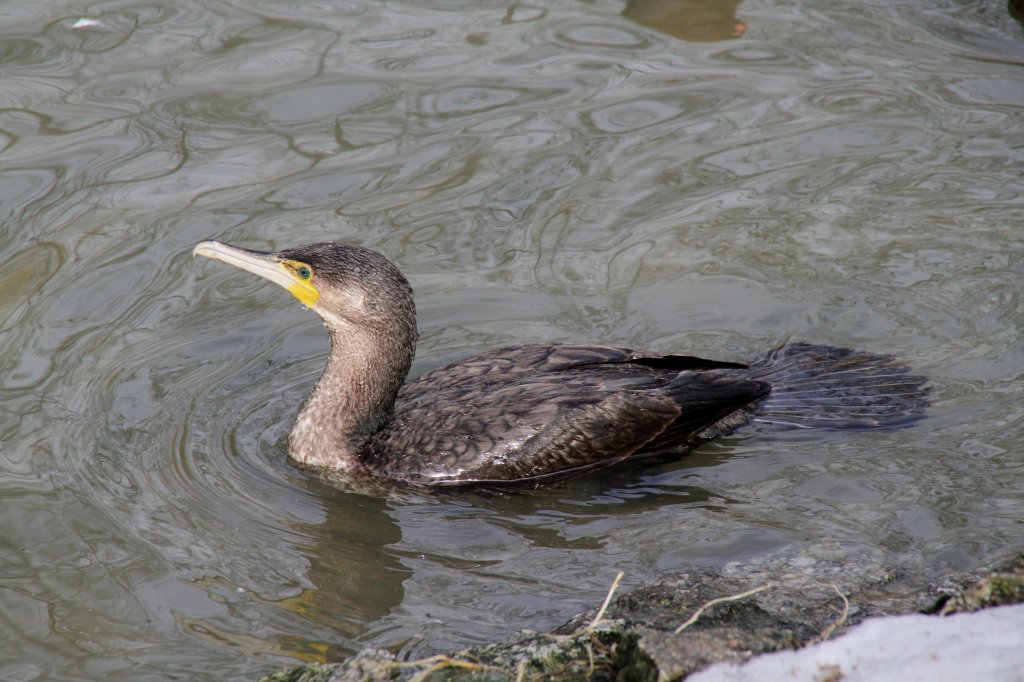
pixel 528 413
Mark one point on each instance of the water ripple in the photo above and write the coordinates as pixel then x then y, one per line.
pixel 839 174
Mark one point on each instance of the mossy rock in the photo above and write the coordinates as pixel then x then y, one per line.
pixel 636 640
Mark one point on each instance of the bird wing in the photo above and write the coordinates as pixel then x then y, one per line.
pixel 504 364
pixel 535 411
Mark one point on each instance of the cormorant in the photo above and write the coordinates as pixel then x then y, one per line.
pixel 536 411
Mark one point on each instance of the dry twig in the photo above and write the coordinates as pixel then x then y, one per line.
pixel 607 600
pixel 438 663
pixel 742 595
pixel 827 632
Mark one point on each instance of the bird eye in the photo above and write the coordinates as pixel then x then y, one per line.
pixel 304 272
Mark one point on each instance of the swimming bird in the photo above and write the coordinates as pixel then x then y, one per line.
pixel 533 412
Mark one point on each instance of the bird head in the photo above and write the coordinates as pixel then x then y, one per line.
pixel 348 286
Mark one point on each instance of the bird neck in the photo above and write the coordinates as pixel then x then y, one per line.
pixel 353 397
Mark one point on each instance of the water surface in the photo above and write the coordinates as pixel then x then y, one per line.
pixel 848 174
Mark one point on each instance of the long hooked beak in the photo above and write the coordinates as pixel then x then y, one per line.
pixel 265 264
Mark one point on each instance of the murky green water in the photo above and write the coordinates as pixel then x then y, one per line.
pixel 841 173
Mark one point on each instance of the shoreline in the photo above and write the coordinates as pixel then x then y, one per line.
pixel 694 619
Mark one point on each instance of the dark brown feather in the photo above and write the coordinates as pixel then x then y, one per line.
pixel 540 410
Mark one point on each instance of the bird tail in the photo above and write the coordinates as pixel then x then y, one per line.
pixel 837 388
